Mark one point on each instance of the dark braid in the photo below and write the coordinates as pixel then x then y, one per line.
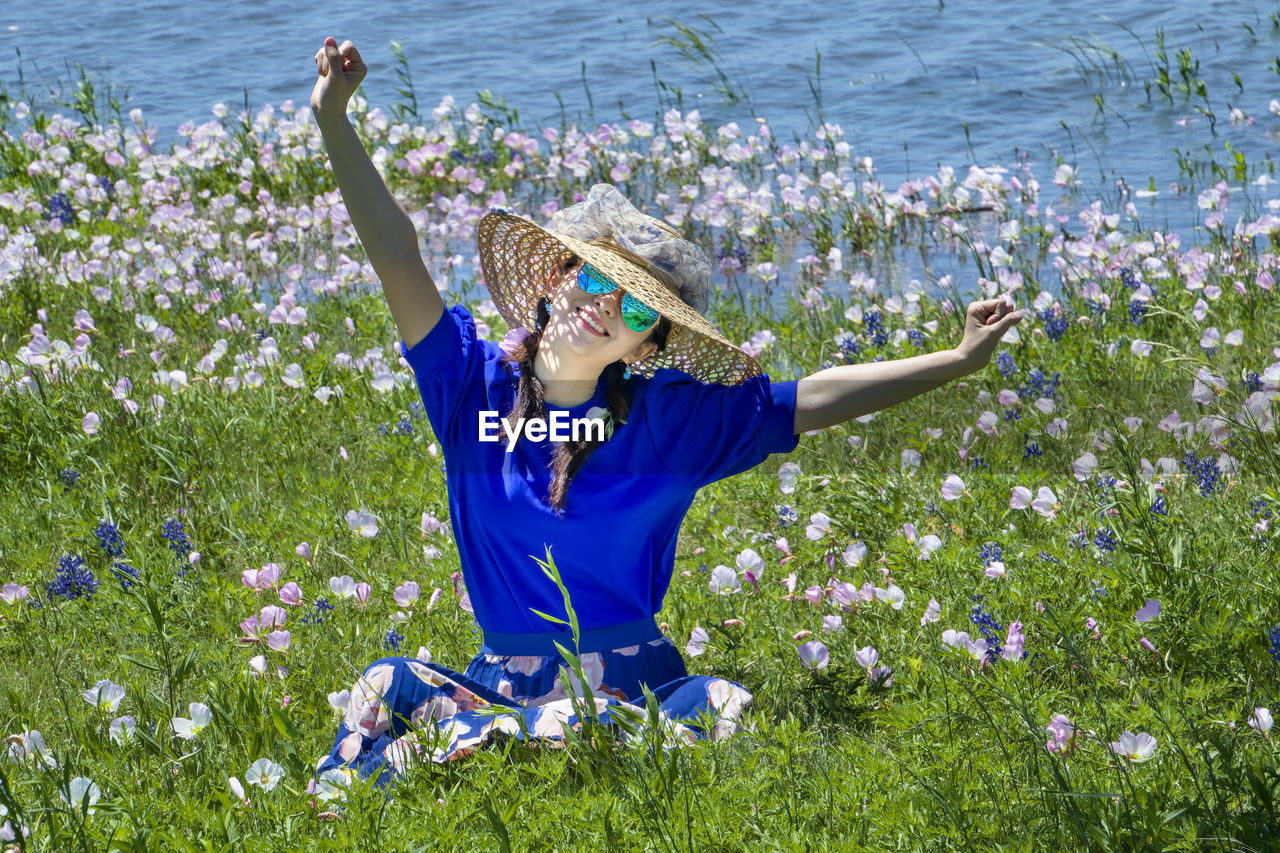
pixel 569 456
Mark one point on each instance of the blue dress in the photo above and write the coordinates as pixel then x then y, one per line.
pixel 681 434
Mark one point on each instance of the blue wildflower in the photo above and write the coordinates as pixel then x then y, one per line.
pixel 1259 506
pixel 1005 363
pixel 69 478
pixel 393 640
pixel 1032 449
pixel 1206 471
pixel 126 574
pixel 1158 506
pixel 1095 306
pixel 1048 558
pixel 916 337
pixel 1252 382
pixel 787 515
pixel 107 187
pixel 1274 636
pixel 1079 540
pixel 991 551
pixel 109 538
pixel 990 630
pixel 1137 311
pixel 1126 278
pixel 977 462
pixel 874 323
pixel 383 429
pixel 405 427
pixel 1105 539
pixel 73 579
pixel 322 606
pixel 1105 482
pixel 60 209
pixel 179 544
pixel 415 410
pixel 1012 415
pixel 1055 324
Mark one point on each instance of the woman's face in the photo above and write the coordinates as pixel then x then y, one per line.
pixel 590 325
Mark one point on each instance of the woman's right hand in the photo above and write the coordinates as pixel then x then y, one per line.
pixel 333 90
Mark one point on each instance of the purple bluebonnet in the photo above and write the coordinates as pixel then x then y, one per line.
pixel 1252 381
pixel 874 323
pixel 322 607
pixel 1012 415
pixel 405 427
pixel 69 478
pixel 1039 385
pixel 991 551
pixel 916 337
pixel 383 429
pixel 1126 278
pixel 1105 539
pixel 126 574
pixel 1137 311
pixel 179 544
pixel 1006 364
pixel 787 515
pixel 109 538
pixel 60 209
pixel 1047 557
pixel 1032 449
pixel 392 641
pixel 1207 473
pixel 1274 637
pixel 1158 506
pixel 990 630
pixel 73 579
pixel 1055 324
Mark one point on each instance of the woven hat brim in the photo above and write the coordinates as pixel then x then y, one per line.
pixel 519 258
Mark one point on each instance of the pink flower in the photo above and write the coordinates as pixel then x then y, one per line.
pixel 1136 748
pixel 513 339
pixel 931 613
pixel 291 594
pixel 814 655
pixel 1148 611
pixel 813 594
pixel 867 657
pixel 698 639
pixel 1062 735
pixel 271 616
pixel 363 591
pixel 304 551
pixel 278 641
pixel 406 594
pixel 1146 644
pixel 834 622
pixel 819 524
pixel 952 488
pixel 249 629
pixel 1014 643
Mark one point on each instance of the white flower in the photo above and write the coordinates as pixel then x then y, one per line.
pixel 237 790
pixel 854 554
pixel 724 580
pixel 1261 720
pixel 1136 748
pixel 931 613
pixel 333 784
pixel 343 587
pixel 264 773
pixel 894 596
pixel 188 728
pixel 364 523
pixel 29 746
pixel 819 524
pixel 952 488
pixel 81 787
pixel 788 473
pixel 121 729
pixel 698 640
pixel 104 695
pixel 750 561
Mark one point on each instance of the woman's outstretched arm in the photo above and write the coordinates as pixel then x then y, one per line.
pixel 385 230
pixel 838 394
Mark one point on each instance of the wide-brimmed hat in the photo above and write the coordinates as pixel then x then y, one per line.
pixel 518 259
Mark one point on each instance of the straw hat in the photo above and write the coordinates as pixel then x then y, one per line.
pixel 518 258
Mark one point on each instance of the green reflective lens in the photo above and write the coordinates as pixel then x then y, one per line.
pixel 638 316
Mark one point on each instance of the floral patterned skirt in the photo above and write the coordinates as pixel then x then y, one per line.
pixel 403 710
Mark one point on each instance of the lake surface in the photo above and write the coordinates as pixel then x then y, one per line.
pixel 913 84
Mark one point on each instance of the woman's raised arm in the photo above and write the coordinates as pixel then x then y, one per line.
pixel 385 230
pixel 837 394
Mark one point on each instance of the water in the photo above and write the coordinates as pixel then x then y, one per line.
pixel 913 84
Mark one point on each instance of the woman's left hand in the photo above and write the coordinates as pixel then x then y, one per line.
pixel 985 323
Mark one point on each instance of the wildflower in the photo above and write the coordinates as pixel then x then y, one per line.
pixel 60 209
pixel 989 628
pixel 1006 364
pixel 1274 637
pixel 69 478
pixel 1136 748
pixel 1032 449
pixel 724 581
pixel 73 579
pixel 278 641
pixel 814 655
pixel 237 790
pixel 1055 323
pixel 264 773
pixel 1261 721
pixel 1062 735
pixel 1158 506
pixel 391 642
pixel 105 695
pixel 343 587
pixel 1104 539
pixel 121 729
pixel 698 639
pixel 109 538
pixel 1206 472
pixel 952 488
pixel 12 593
pixel 1148 611
pixel 1048 558
pixel 291 594
pixel 363 523
pixel 29 745
pixel 1146 644
pixel 82 793
pixel 406 595
pixel 179 544
pixel 867 657
pixel 931 613
pixel 126 574
pixel 188 728
pixel 819 524
pixel 1014 643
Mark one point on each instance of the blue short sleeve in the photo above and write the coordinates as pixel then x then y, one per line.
pixel 449 364
pixel 705 432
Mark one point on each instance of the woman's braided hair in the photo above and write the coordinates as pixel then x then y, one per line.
pixel 569 456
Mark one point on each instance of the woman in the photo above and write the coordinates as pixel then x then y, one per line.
pixel 612 301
